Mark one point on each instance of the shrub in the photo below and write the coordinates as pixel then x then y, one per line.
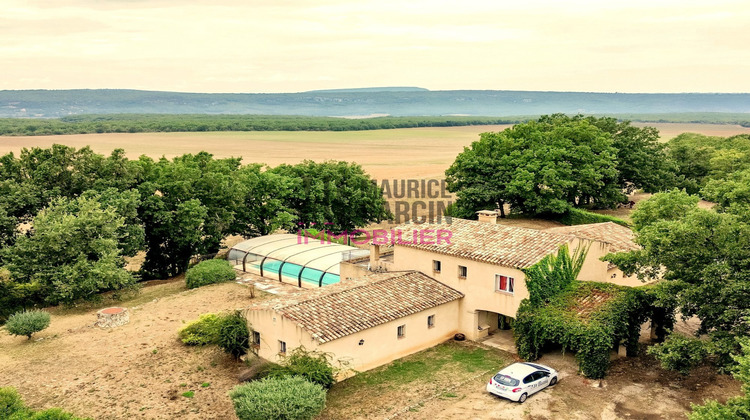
pixel 278 399
pixel 554 274
pixel 234 335
pixel 10 402
pixel 13 408
pixel 201 332
pixel 576 216
pixel 209 272
pixel 54 414
pixel 27 322
pixel 314 366
pixel 679 353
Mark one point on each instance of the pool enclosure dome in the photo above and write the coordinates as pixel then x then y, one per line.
pixel 293 258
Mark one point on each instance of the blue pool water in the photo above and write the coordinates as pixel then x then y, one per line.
pixel 309 275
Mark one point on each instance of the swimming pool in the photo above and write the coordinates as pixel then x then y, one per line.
pixel 291 270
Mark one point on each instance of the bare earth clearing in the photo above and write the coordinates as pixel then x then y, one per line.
pixel 139 370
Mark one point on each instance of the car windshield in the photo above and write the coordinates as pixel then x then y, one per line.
pixel 505 380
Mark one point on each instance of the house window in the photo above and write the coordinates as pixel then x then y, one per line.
pixel 401 331
pixel 436 266
pixel 256 338
pixel 282 347
pixel 504 283
pixel 430 321
pixel 461 272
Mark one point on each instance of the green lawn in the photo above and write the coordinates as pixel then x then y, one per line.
pixel 408 381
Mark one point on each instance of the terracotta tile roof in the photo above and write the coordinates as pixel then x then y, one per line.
pixel 619 237
pixel 586 305
pixel 344 308
pixel 508 246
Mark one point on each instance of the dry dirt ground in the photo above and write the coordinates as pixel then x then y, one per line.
pixel 139 370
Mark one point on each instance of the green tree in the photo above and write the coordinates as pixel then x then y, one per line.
pixel 692 154
pixel 543 166
pixel 700 158
pixel 126 204
pixel 189 206
pixel 731 194
pixel 71 255
pixel 704 260
pixel 8 227
pixel 263 209
pixel 736 407
pixel 642 161
pixel 669 205
pixel 335 196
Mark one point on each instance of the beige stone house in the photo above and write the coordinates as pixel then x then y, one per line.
pixel 413 294
pixel 365 322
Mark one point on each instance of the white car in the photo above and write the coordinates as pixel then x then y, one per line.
pixel 519 380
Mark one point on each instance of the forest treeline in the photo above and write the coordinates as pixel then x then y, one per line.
pixel 154 123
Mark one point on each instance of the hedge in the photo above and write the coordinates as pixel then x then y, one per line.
pixel 209 272
pixel 13 408
pixel 576 216
pixel 288 398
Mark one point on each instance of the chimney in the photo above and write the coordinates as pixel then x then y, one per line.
pixel 487 216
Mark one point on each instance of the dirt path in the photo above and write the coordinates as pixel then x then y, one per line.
pixel 139 370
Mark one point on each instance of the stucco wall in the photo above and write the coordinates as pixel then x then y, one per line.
pixel 350 271
pixel 381 343
pixel 616 276
pixel 593 268
pixel 478 287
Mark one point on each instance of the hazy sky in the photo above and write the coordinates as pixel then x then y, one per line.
pixel 296 45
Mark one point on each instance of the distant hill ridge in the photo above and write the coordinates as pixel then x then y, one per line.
pixel 372 89
pixel 396 101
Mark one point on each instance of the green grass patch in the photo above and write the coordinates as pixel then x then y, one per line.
pixel 425 365
pixel 432 371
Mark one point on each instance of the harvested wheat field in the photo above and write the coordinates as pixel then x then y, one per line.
pixel 399 153
pixel 385 154
pixel 139 370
